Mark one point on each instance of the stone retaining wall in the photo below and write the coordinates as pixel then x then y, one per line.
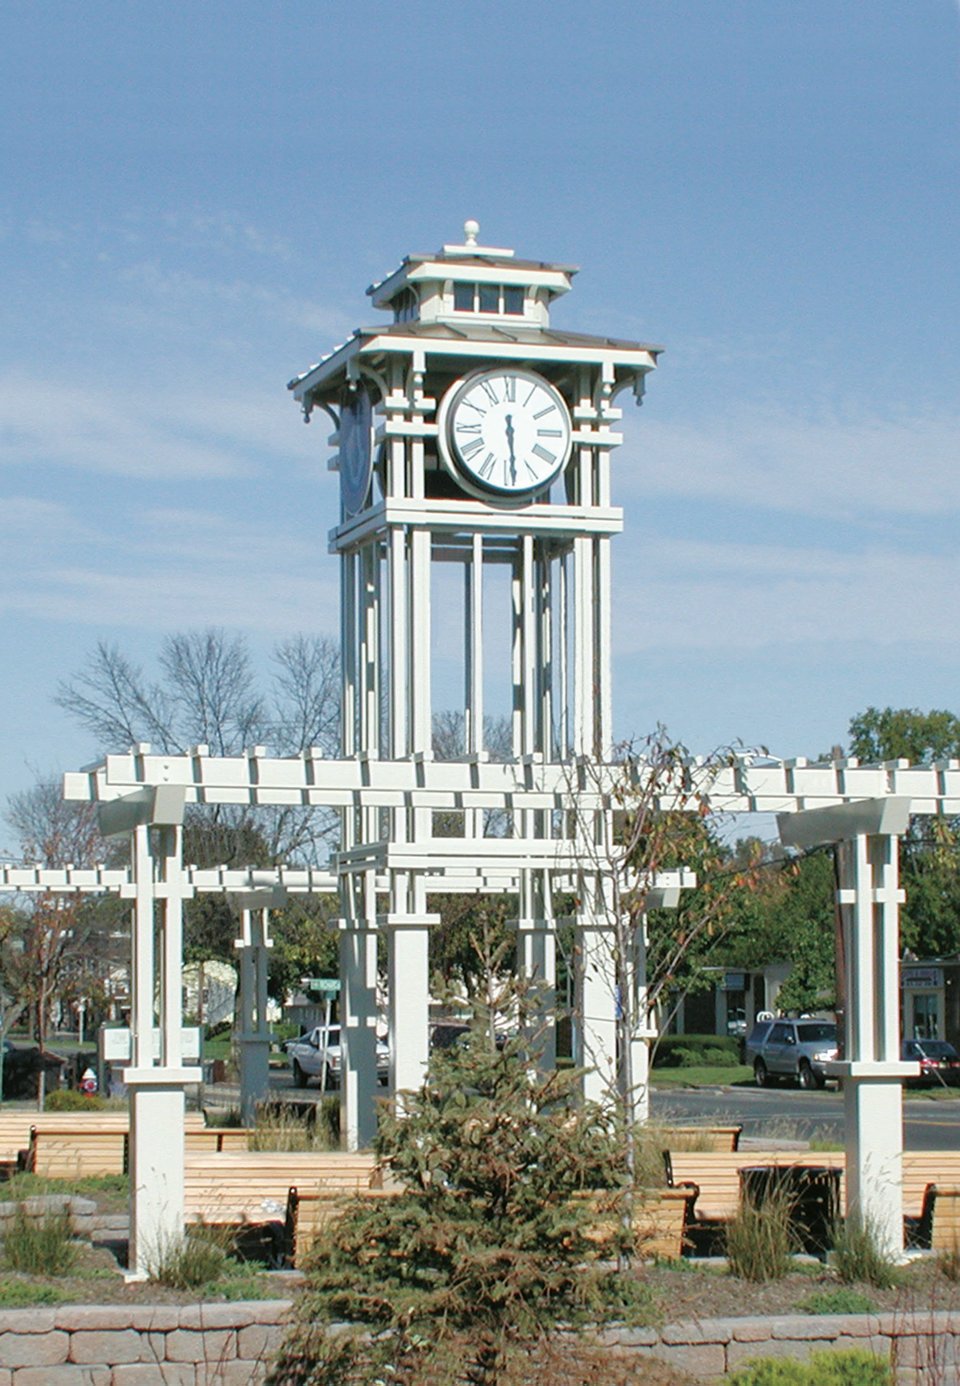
pixel 924 1347
pixel 231 1344
pixel 140 1345
pixel 84 1218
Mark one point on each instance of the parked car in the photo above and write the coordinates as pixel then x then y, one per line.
pixel 791 1049
pixel 308 1052
pixel 939 1061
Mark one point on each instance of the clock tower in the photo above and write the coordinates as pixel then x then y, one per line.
pixel 473 443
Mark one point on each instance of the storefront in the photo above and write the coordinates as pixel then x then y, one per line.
pixel 930 991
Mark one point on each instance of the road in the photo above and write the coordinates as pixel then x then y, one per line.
pixel 782 1113
pixel 790 1113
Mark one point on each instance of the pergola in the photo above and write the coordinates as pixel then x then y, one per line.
pixel 862 808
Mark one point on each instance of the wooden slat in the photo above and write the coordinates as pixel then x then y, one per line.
pixel 71 1154
pixel 718 1175
pixel 15 1126
pixel 705 1137
pixel 237 1187
pixel 945 1228
pixel 309 1214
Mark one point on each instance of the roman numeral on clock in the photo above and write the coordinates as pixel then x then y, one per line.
pixel 543 454
pixel 487 467
pixel 472 448
pixel 489 391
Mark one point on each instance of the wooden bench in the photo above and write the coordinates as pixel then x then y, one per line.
pixel 717 1174
pixel 67 1153
pixel 660 1217
pixel 15 1126
pixel 308 1214
pixel 702 1137
pixel 218 1138
pixel 659 1223
pixel 938 1227
pixel 236 1188
pixel 922 1168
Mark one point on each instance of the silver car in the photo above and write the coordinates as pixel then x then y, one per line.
pixel 791 1049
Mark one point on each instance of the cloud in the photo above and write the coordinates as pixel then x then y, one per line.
pixel 274 603
pixel 832 467
pixel 176 292
pixel 167 570
pixel 702 595
pixel 150 432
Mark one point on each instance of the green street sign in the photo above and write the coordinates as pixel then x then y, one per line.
pixel 322 983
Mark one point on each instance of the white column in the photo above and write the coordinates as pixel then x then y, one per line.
pixel 158 887
pixel 408 943
pixel 643 1030
pixel 596 1034
pixel 358 1035
pixel 537 958
pixel 253 1037
pixel 358 1011
pixel 871 1069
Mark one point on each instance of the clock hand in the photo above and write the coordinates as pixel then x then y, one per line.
pixel 513 460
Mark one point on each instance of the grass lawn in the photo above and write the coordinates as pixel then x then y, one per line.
pixel 705 1076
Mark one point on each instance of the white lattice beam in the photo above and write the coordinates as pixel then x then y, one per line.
pixel 530 783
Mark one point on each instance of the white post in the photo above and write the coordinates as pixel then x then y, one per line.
pixel 408 942
pixel 537 958
pixel 643 1030
pixel 358 1016
pixel 253 1037
pixel 595 1045
pixel 871 1069
pixel 158 887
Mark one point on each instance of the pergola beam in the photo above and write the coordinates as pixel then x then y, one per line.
pixel 529 783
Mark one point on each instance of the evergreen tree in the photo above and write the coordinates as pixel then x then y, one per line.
pixel 470 1274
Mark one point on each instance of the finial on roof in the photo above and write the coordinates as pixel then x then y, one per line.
pixel 471 230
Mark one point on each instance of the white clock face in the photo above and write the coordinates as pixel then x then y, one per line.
pixel 505 430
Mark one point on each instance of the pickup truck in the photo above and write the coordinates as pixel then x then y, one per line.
pixel 308 1052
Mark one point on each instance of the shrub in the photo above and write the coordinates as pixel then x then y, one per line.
pixel 948 1263
pixel 759 1240
pixel 39 1245
pixel 488 1252
pixel 15 1293
pixel 70 1100
pixel 279 1127
pixel 200 1258
pixel 853 1368
pixel 843 1301
pixel 675 1051
pixel 858 1256
pixel 716 1058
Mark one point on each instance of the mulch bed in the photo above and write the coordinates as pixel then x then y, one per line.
pixel 701 1292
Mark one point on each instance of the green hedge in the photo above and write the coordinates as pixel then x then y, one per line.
pixel 70 1100
pixel 696 1051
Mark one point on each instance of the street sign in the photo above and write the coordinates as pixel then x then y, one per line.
pixel 327 984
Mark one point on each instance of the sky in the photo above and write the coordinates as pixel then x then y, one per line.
pixel 194 198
